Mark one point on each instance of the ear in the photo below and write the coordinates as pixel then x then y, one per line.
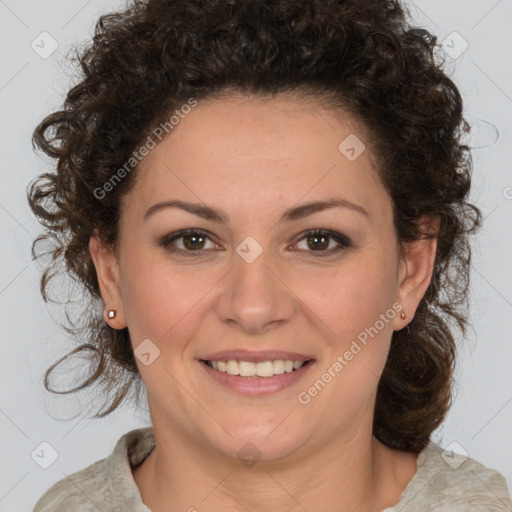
pixel 415 271
pixel 107 270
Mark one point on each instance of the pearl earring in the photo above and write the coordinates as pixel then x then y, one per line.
pixel 111 313
pixel 403 315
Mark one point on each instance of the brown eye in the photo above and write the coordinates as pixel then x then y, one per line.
pixel 319 241
pixel 192 240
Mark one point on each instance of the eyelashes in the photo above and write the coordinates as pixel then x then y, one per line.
pixel 168 240
pixel 195 239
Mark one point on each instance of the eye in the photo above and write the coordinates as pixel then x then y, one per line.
pixel 193 240
pixel 319 241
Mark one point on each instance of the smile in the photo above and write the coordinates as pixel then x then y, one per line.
pixel 263 369
pixel 256 378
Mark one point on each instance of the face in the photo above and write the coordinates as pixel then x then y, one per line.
pixel 260 278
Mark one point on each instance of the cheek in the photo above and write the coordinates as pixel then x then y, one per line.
pixel 350 298
pixel 160 300
pixel 353 308
pixel 164 301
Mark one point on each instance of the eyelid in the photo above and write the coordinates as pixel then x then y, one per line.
pixel 343 241
pixel 167 240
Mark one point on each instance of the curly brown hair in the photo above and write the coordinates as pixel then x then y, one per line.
pixel 362 55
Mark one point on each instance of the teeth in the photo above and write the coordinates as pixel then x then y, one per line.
pixel 261 369
pixel 278 366
pixel 264 369
pixel 232 367
pixel 246 369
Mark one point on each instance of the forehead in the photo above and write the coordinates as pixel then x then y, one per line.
pixel 253 151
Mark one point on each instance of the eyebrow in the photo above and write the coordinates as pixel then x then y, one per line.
pixel 292 214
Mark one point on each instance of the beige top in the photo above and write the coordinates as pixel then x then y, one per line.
pixel 461 484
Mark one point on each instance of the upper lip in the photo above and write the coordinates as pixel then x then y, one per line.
pixel 255 356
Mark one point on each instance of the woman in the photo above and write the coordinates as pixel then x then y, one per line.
pixel 270 200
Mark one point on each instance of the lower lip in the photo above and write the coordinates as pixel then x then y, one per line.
pixel 257 385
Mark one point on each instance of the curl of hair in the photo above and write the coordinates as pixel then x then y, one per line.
pixel 359 55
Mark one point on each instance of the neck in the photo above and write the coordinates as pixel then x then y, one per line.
pixel 356 473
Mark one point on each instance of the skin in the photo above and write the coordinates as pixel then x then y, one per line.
pixel 253 158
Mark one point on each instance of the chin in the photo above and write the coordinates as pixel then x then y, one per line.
pixel 263 442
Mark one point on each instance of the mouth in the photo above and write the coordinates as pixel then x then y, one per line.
pixel 258 370
pixel 255 374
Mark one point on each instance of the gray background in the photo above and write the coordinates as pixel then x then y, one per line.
pixel 32 84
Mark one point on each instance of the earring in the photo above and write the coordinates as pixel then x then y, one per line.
pixel 403 315
pixel 111 313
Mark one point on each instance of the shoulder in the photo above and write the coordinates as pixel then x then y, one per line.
pixel 105 485
pixel 446 481
pixel 74 492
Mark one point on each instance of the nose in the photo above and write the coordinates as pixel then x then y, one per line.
pixel 255 298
